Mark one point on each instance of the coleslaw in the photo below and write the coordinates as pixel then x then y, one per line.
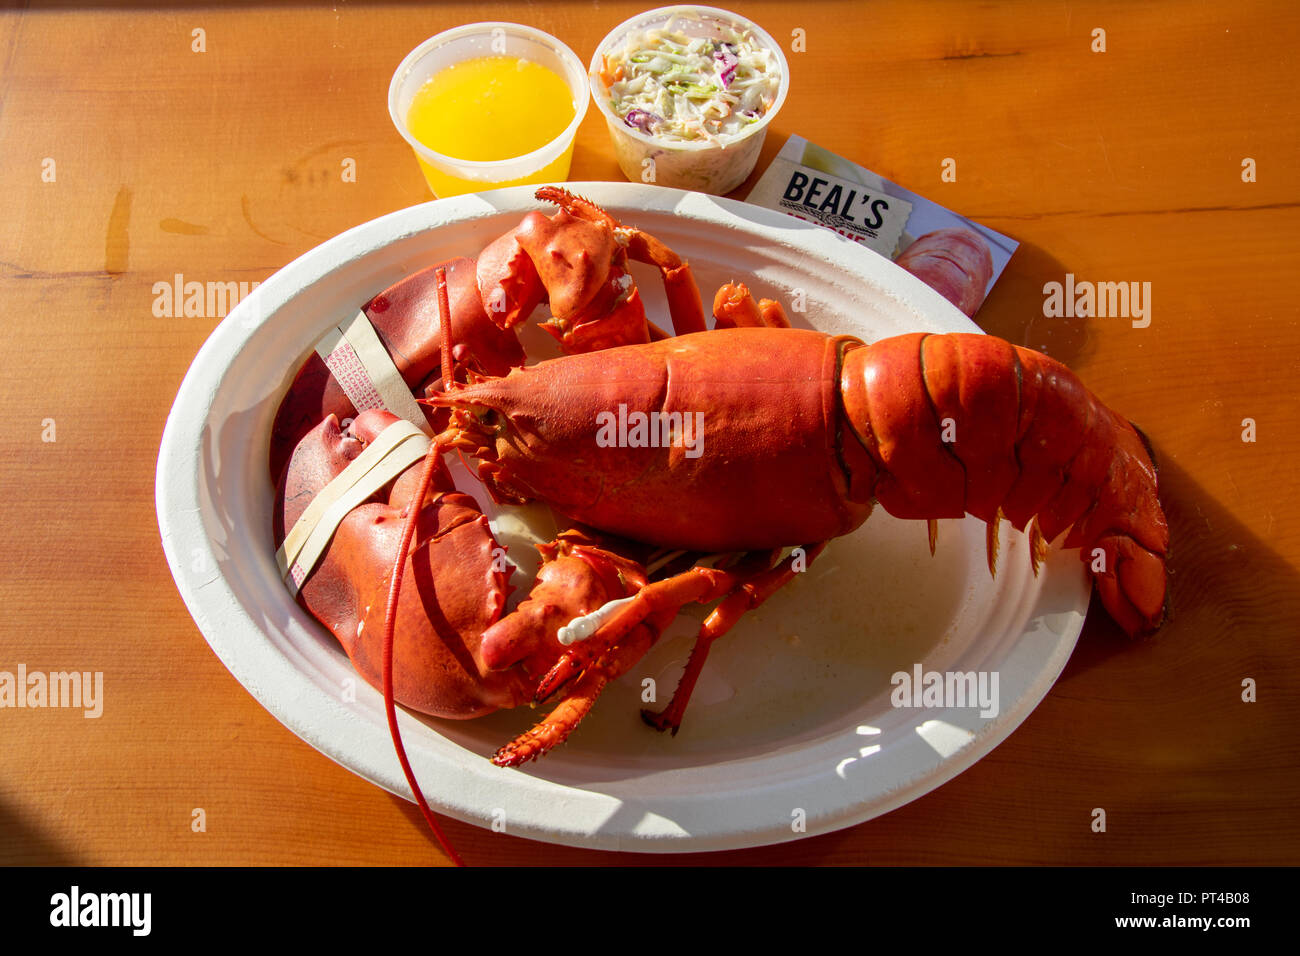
pixel 681 88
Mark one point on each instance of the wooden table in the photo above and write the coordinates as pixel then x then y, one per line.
pixel 1123 165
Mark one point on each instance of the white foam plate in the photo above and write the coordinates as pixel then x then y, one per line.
pixel 791 731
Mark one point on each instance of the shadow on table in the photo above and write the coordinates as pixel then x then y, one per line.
pixel 1225 583
pixel 1014 307
pixel 1234 599
pixel 22 843
pixel 39 6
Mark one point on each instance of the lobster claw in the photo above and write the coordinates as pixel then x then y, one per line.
pixel 575 264
pixel 508 282
pixel 573 258
pixel 439 668
pixel 582 572
pixel 576 260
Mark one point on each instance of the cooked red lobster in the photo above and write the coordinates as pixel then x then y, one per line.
pixel 756 438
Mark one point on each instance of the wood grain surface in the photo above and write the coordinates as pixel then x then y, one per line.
pixel 224 165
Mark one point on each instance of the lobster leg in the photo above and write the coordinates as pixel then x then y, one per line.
pixel 743 589
pixel 582 693
pixel 699 584
pixel 626 637
pixel 683 294
pixel 724 617
pixel 733 307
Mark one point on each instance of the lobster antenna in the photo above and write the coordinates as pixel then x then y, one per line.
pixel 444 328
pixel 395 589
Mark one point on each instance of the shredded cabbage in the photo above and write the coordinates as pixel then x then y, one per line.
pixel 677 87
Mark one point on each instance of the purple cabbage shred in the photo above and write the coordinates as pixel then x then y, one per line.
pixel 640 119
pixel 728 61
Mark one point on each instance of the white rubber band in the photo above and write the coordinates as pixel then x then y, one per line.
pixel 395 449
pixel 581 628
pixel 362 366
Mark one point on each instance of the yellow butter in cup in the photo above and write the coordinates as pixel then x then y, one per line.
pixel 489 105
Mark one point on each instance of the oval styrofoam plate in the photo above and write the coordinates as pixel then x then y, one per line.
pixel 792 719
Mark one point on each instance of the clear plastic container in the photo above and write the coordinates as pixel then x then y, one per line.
pixel 701 166
pixel 449 176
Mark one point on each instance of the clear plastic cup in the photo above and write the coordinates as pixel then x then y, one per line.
pixel 449 176
pixel 701 166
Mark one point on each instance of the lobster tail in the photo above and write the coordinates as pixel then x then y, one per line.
pixel 957 424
